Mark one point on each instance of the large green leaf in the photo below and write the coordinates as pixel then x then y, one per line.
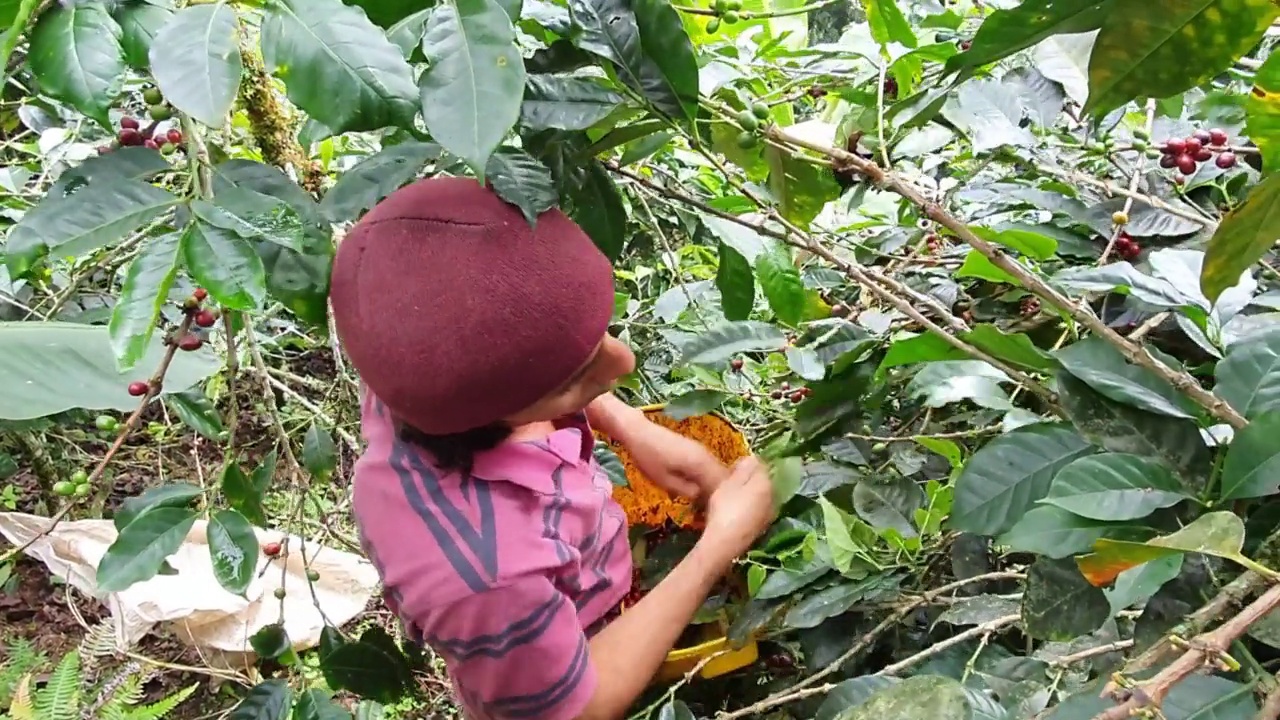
pixel 196 411
pixel 1140 53
pixel 558 102
pixel 1262 112
pixel 140 22
pixel 610 29
pixel 141 548
pixel 233 550
pixel 224 264
pixel 76 56
pixel 317 705
pixel 337 66
pixel 736 283
pixel 375 177
pixel 253 216
pixel 597 207
pixel 146 287
pixel 518 178
pixel 922 696
pixel 1053 532
pixel 1010 474
pixel 136 163
pixel 96 215
pixel 1098 363
pixel 474 83
pixel 1243 237
pixel 1114 486
pixel 888 24
pixel 177 495
pixel 196 62
pixel 50 367
pixel 850 693
pixel 1252 466
pixel 664 41
pixel 367 669
pixel 1059 603
pixel 1248 378
pixel 1005 32
pixel 1122 428
pixel 722 342
pixel 268 700
pixel 780 281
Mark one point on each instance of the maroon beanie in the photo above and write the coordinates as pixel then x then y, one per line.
pixel 456 313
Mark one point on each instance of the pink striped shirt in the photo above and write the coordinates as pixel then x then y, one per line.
pixel 499 570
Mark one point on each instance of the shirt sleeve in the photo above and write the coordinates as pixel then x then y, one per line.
pixel 516 651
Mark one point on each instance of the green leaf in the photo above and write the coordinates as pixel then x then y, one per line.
pixel 736 283
pixel 845 548
pixel 827 603
pixel 253 216
pixel 889 504
pixel 1010 474
pixel 233 550
pixel 146 287
pixel 675 710
pixel 1006 31
pixel 375 177
pixel 225 265
pixel 1252 466
pixel 76 56
pixel 172 495
pixel 664 41
pixel 1137 585
pixel 197 412
pixel 268 700
pixel 521 180
pixel 1025 239
pixel 300 282
pixel 720 343
pixel 1053 532
pixel 1016 349
pixel 472 89
pixel 136 163
pixel 851 693
pixel 1114 486
pixel 1174 442
pixel 888 24
pixel 317 705
pixel 692 403
pixel 270 642
pixel 366 669
pixel 1139 53
pixel 1059 603
pixel 597 207
pixel 407 32
pixel 50 367
pixel 922 696
pixel 780 281
pixel 1220 534
pixel 337 66
pixel 611 464
pixel 94 216
pixel 1098 363
pixel 1248 378
pixel 142 547
pixel 609 29
pixel 242 493
pixel 977 265
pixel 558 102
pixel 319 454
pixel 805 362
pixel 1242 239
pixel 196 62
pixel 140 21
pixel 1262 111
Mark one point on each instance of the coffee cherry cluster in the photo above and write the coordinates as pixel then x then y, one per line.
pixel 1126 247
pixel 932 243
pixel 726 11
pixel 1187 153
pixel 201 317
pixel 1030 306
pixel 132 134
pixel 77 484
pixel 796 395
pixel 750 120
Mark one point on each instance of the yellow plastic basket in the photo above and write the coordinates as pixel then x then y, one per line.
pixel 728 443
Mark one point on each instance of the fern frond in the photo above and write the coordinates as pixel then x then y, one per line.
pixel 117 694
pixel 99 642
pixel 21 707
pixel 23 658
pixel 158 709
pixel 60 698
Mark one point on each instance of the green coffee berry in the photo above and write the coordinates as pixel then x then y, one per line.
pixel 747 120
pixel 152 96
pixel 713 25
pixel 63 488
pixel 730 17
pixel 760 110
pixel 747 140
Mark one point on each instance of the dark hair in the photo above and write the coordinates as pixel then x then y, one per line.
pixel 456 451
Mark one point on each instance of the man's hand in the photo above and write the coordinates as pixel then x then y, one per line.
pixel 741 509
pixel 679 465
pixel 674 462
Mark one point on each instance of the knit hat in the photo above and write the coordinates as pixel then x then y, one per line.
pixel 456 313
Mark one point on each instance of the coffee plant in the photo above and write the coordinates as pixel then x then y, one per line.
pixel 991 284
